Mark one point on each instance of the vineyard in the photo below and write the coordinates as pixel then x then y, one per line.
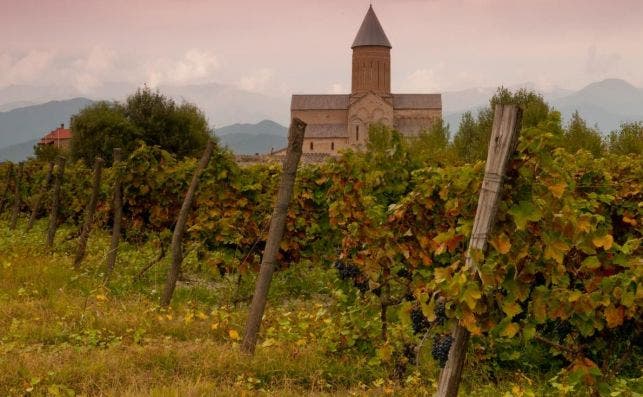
pixel 372 275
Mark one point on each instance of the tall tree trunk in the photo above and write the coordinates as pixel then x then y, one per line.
pixel 179 228
pixel 41 195
pixel 89 213
pixel 275 233
pixel 7 186
pixel 53 214
pixel 16 198
pixel 118 213
pixel 504 135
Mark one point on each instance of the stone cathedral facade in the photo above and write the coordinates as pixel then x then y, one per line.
pixel 339 121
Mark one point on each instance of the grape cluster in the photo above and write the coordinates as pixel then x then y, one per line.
pixel 420 323
pixel 352 272
pixel 441 347
pixel 347 271
pixel 440 312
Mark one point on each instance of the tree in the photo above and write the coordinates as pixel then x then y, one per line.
pixel 579 136
pixel 179 129
pixel 627 140
pixel 472 139
pixel 469 142
pixel 98 129
pixel 146 116
pixel 431 146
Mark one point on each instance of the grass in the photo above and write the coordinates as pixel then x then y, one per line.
pixel 63 332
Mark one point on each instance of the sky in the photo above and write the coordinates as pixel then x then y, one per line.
pixel 279 47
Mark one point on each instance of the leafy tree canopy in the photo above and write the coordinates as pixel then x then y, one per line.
pixel 146 116
pixel 628 139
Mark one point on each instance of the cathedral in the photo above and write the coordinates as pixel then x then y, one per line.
pixel 336 122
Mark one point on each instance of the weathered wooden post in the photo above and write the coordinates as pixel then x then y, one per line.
pixel 53 214
pixel 16 198
pixel 179 228
pixel 89 213
pixel 41 195
pixel 7 186
pixel 117 201
pixel 275 233
pixel 504 135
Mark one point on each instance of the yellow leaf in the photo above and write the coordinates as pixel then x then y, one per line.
pixel 233 334
pixel 501 243
pixel 629 220
pixel 583 224
pixel 604 241
pixel 557 189
pixel 510 330
pixel 469 322
pixel 268 342
pixel 214 326
pixel 101 298
pixel 471 296
pixel 614 316
pixel 556 250
pixel 511 309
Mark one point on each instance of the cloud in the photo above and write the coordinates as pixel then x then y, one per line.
pixel 90 72
pixel 601 64
pixel 25 68
pixel 258 81
pixel 422 79
pixel 195 66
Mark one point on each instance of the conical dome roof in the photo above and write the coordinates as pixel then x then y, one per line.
pixel 371 32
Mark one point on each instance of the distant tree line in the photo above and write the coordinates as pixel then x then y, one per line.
pixel 149 117
pixel 471 140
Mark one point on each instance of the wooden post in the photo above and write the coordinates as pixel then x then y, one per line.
pixel 53 214
pixel 504 134
pixel 16 198
pixel 118 213
pixel 179 228
pixel 275 233
pixel 7 186
pixel 89 213
pixel 41 195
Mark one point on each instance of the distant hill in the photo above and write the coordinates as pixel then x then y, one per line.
pixel 222 104
pixel 253 138
pixel 17 152
pixel 606 103
pixel 32 122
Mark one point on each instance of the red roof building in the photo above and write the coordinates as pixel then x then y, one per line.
pixel 60 137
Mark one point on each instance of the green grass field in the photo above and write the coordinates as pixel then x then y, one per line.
pixel 63 332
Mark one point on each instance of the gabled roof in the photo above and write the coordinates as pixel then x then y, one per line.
pixel 371 32
pixel 417 101
pixel 326 102
pixel 59 134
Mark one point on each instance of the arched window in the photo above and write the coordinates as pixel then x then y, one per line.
pixel 332 146
pixel 311 146
pixel 357 132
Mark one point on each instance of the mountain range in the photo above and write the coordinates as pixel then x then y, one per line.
pixel 24 117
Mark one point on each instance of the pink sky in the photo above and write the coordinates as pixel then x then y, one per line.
pixel 283 46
